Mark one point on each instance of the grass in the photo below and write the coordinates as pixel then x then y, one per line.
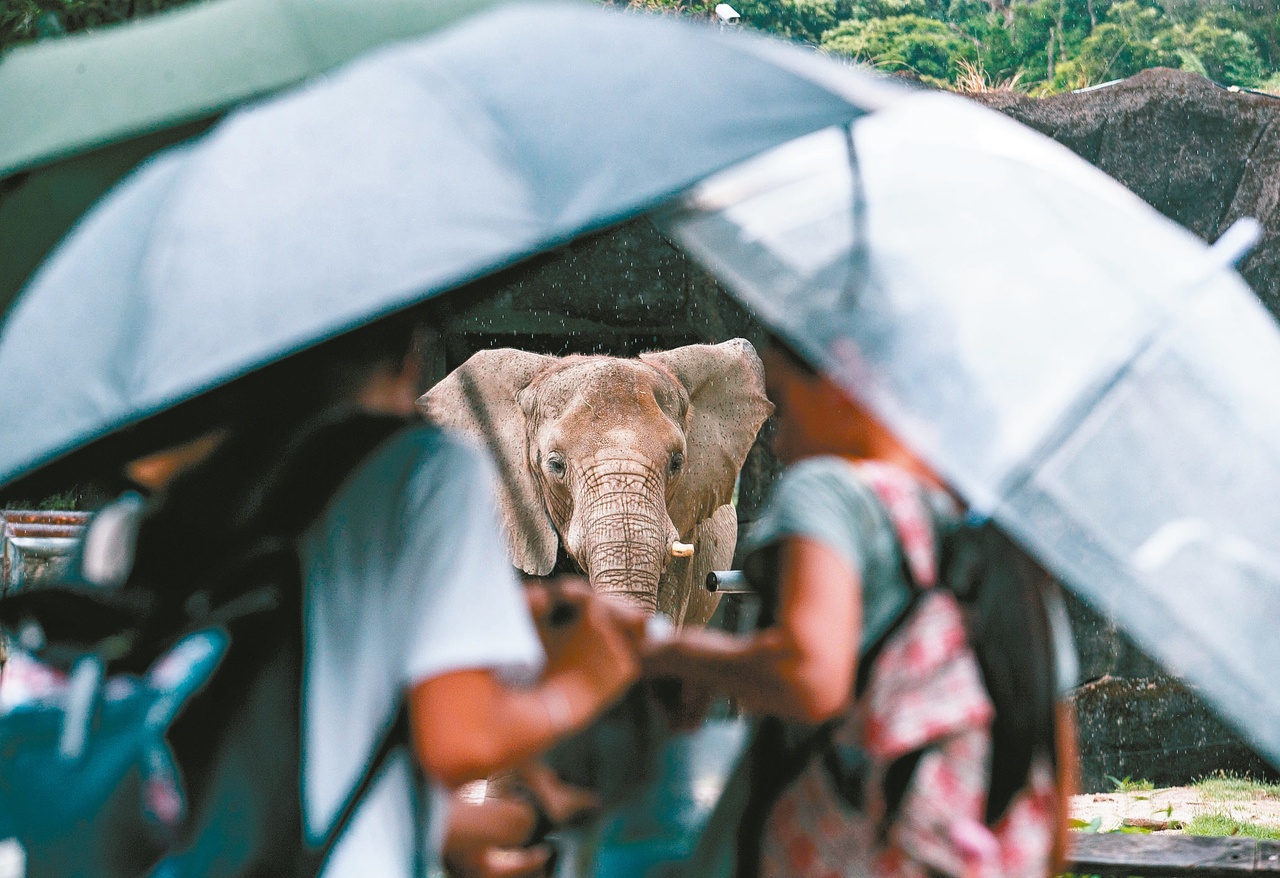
pixel 1225 786
pixel 1218 823
pixel 973 79
pixel 1129 785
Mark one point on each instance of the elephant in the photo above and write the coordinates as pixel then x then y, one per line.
pixel 623 469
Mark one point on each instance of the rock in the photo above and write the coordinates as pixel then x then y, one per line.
pixel 1197 152
pixel 1154 729
pixel 1203 156
pixel 1104 650
pixel 619 292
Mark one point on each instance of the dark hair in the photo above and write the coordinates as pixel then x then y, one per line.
pixel 1002 588
pixel 793 357
pixel 264 415
pixel 290 393
pixel 268 405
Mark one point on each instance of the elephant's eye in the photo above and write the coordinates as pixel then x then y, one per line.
pixel 677 462
pixel 555 465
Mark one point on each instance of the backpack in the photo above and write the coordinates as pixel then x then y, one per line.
pixel 946 763
pixel 175 747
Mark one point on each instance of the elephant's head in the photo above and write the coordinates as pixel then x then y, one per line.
pixel 614 459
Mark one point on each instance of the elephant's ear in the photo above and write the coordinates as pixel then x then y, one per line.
pixel 727 405
pixel 479 398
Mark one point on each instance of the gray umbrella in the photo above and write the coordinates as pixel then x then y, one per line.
pixel 80 111
pixel 413 171
pixel 1078 366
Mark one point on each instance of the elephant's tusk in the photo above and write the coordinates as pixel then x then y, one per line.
pixel 681 550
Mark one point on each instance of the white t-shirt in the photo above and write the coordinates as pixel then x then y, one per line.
pixel 406 577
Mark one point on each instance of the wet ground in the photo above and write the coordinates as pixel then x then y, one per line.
pixel 1173 809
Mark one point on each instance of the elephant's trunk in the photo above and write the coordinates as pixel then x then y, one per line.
pixel 621 533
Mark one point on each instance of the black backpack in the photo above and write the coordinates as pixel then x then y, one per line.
pixel 183 713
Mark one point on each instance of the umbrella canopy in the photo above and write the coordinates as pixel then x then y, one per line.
pixel 81 111
pixel 412 172
pixel 1076 365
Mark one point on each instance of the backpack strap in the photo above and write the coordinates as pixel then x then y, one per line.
pixel 774 764
pixel 900 496
pixel 917 540
pixel 918 543
pixel 995 582
pixel 315 466
pixel 394 738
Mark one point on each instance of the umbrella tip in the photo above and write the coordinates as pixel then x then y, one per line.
pixel 1235 242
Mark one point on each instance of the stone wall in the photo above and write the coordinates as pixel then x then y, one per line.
pixel 1201 154
pixel 1136 721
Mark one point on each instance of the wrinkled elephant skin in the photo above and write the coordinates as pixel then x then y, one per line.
pixel 613 460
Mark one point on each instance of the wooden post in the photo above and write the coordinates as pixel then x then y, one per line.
pixel 1171 856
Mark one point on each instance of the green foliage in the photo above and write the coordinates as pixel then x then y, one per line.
pixel 1114 52
pixel 1043 46
pixel 992 39
pixel 925 46
pixel 1224 55
pixel 800 20
pixel 71 499
pixel 1086 826
pixel 1129 785
pixel 25 20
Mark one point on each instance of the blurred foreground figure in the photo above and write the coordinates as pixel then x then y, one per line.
pixel 372 646
pixel 884 611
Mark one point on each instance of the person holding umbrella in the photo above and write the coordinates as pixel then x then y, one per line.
pixel 874 759
pixel 409 602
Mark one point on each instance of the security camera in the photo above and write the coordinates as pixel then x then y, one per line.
pixel 727 13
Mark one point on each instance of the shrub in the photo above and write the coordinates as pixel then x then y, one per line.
pixel 1224 55
pixel 923 45
pixel 24 20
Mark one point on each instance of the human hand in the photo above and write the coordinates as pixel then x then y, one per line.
pixel 560 801
pixel 592 644
pixel 499 862
pixel 661 657
pixel 553 604
pixel 488 839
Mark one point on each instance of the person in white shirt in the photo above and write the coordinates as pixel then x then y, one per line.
pixel 410 598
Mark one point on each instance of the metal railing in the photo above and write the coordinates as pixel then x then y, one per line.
pixel 34 543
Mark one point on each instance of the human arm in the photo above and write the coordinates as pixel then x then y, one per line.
pixel 802 667
pixel 468 723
